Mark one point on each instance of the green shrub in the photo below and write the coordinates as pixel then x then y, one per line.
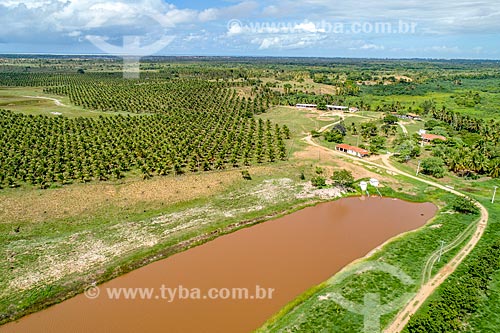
pixel 318 181
pixel 433 166
pixel 246 175
pixel 334 136
pixel 343 178
pixel 464 205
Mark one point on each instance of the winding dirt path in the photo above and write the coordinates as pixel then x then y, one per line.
pixel 403 128
pixel 431 285
pixel 343 116
pixel 324 128
pixel 56 101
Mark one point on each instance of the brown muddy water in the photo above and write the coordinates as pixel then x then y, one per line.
pixel 290 254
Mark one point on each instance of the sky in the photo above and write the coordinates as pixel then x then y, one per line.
pixel 447 29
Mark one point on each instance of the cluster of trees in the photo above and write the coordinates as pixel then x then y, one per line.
pixel 403 87
pixel 375 133
pixel 468 99
pixel 406 148
pixel 336 134
pixel 44 150
pixel 340 178
pixel 474 148
pixel 463 122
pixel 111 72
pixel 433 166
pixel 348 88
pixel 460 297
pixel 482 158
pixel 293 98
pixel 455 156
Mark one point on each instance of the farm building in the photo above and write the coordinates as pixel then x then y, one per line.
pixel 413 116
pixel 306 106
pixel 351 150
pixel 431 137
pixel 337 108
pixel 410 116
pixel 353 110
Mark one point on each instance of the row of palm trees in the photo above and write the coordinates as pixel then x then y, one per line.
pixel 481 159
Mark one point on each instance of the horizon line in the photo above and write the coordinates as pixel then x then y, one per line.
pixel 245 56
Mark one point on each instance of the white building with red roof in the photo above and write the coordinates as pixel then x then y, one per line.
pixel 352 150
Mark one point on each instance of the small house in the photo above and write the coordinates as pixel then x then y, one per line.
pixel 431 137
pixel 352 150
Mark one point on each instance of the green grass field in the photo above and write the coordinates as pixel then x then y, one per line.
pixel 409 253
pixel 488 108
pixel 23 100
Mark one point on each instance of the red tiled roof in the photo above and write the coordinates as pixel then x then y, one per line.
pixel 432 137
pixel 356 149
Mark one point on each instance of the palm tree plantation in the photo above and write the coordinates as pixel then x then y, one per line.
pixel 102 175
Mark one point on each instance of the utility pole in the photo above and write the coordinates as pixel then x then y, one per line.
pixel 418 168
pixel 494 194
pixel 441 251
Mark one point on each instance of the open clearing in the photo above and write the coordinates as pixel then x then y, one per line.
pixel 34 101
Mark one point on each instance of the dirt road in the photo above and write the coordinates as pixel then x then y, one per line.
pixel 56 101
pixel 429 287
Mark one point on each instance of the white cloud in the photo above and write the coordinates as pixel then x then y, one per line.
pixel 30 4
pixel 442 17
pixel 235 27
pixel 268 43
pixel 289 25
pixel 287 42
pixel 308 27
pixel 271 11
pixel 372 47
pixel 240 10
pixel 210 14
pixel 53 16
pixel 442 49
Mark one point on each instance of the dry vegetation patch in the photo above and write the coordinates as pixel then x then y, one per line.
pixel 76 200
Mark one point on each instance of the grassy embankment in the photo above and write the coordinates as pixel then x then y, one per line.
pixel 485 318
pixel 409 252
pixel 487 108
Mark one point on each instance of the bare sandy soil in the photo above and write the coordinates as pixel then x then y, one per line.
pixel 78 199
pixel 56 101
